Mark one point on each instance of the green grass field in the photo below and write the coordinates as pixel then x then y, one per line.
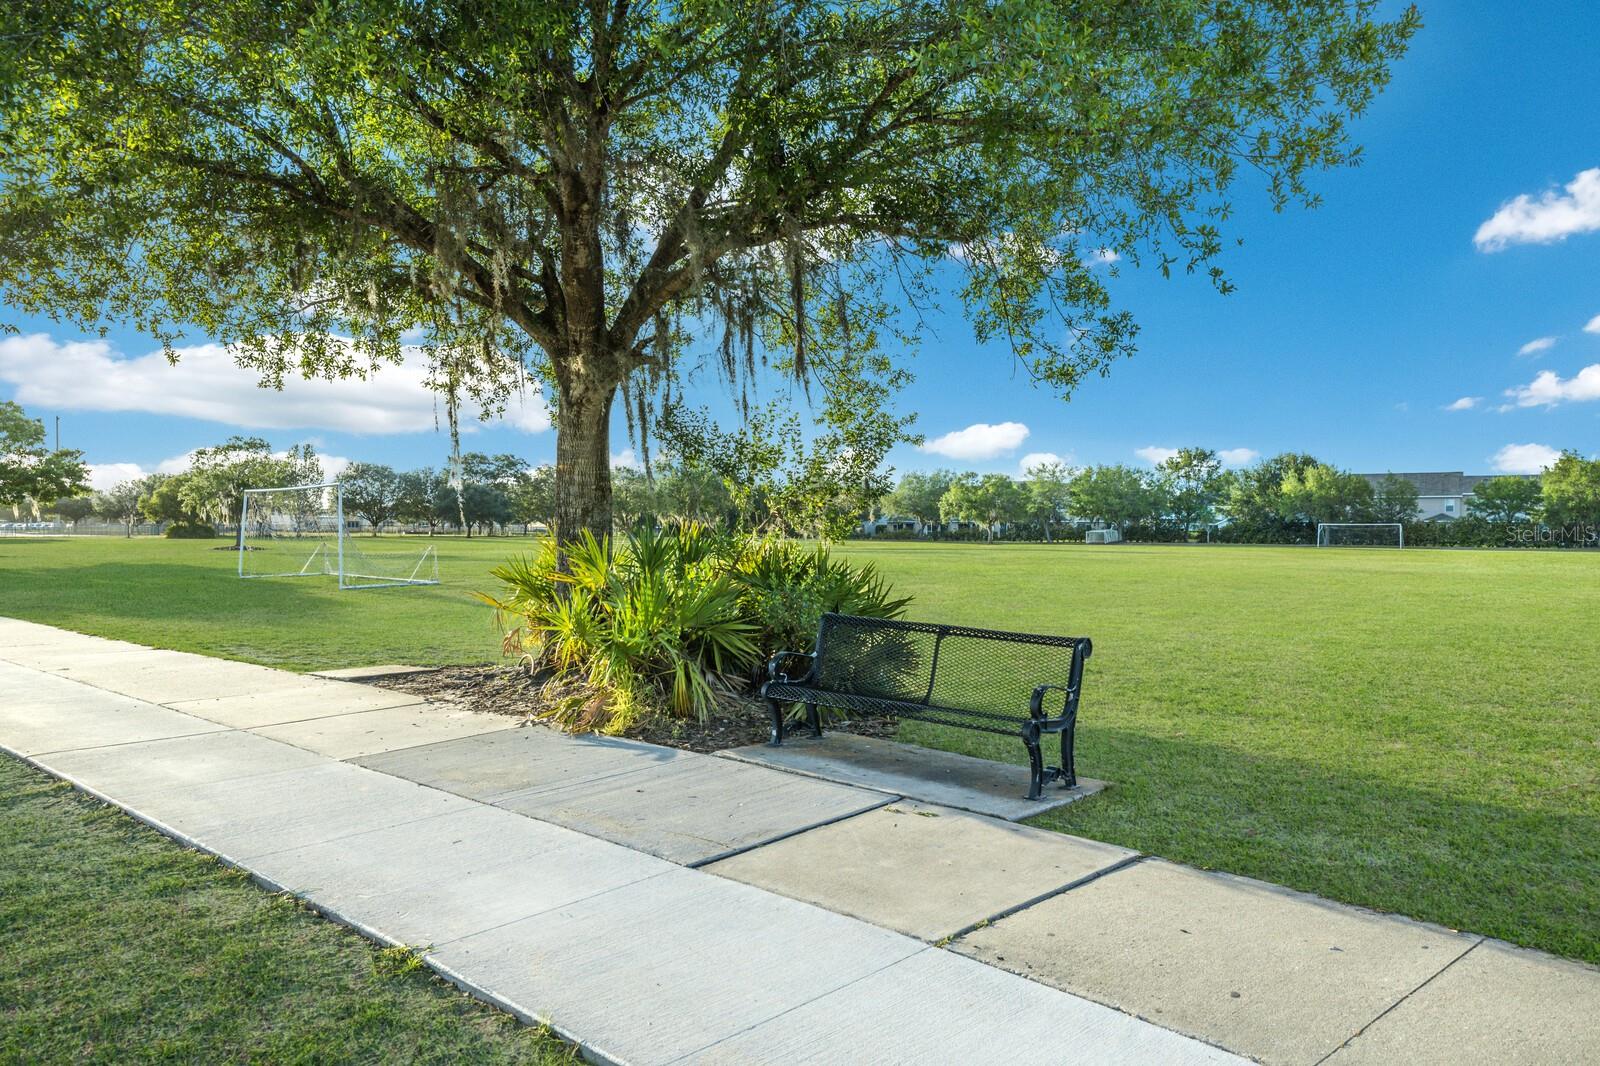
pixel 121 946
pixel 184 595
pixel 1414 731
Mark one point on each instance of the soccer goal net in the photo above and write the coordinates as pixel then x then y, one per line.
pixel 1361 535
pixel 301 531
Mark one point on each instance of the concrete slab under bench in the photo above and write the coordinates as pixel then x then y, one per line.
pixel 931 776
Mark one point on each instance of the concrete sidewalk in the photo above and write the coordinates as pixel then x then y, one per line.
pixel 636 958
pixel 661 906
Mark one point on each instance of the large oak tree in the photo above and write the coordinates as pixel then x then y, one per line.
pixel 589 191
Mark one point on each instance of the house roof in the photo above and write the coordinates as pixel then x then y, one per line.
pixel 1441 482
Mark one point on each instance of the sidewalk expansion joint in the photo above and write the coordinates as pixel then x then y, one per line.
pixel 731 852
pixel 1385 1012
pixel 560 906
pixel 790 1010
pixel 255 855
pixel 147 740
pixel 1093 875
pixel 292 721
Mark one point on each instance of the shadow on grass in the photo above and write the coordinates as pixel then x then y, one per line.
pixel 1524 874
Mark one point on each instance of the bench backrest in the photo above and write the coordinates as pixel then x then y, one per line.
pixel 944 666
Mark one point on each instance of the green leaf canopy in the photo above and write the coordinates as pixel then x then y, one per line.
pixel 588 191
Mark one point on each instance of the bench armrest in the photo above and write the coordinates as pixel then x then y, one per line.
pixel 1036 704
pixel 774 674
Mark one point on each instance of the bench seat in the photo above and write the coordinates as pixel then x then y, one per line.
pixel 989 681
pixel 984 721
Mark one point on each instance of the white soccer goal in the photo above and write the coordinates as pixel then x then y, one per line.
pixel 1103 536
pixel 1361 535
pixel 300 531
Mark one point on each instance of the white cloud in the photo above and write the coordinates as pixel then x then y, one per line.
pixel 1549 388
pixel 332 465
pixel 177 464
pixel 627 458
pixel 106 475
pixel 1593 325
pixel 1524 458
pixel 1155 456
pixel 1554 216
pixel 979 441
pixel 207 384
pixel 1537 345
pixel 527 413
pixel 1466 403
pixel 103 476
pixel 1102 257
pixel 1036 459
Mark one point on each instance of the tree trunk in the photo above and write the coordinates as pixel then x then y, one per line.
pixel 583 459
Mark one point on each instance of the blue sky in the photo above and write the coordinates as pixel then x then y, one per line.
pixel 1470 234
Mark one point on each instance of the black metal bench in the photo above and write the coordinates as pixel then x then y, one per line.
pixel 981 679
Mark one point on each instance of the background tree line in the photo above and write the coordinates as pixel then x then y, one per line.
pixel 753 487
pixel 765 476
pixel 1279 500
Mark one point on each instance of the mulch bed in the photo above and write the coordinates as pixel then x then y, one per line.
pixel 739 720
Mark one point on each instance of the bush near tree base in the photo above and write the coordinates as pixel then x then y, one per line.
pixel 661 621
pixel 190 531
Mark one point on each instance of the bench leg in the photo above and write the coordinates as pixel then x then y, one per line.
pixel 1030 737
pixel 814 719
pixel 775 709
pixel 1069 768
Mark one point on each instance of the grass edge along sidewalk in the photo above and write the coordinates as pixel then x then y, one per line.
pixel 122 944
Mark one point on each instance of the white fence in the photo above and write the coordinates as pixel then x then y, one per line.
pixel 79 529
pixel 87 528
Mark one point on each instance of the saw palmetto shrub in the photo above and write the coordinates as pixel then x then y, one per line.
pixel 786 588
pixel 662 621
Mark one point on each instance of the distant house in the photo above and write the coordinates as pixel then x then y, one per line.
pixel 899 524
pixel 1441 495
pixel 871 527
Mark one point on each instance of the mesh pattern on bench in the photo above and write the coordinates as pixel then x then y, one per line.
pixel 973 678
